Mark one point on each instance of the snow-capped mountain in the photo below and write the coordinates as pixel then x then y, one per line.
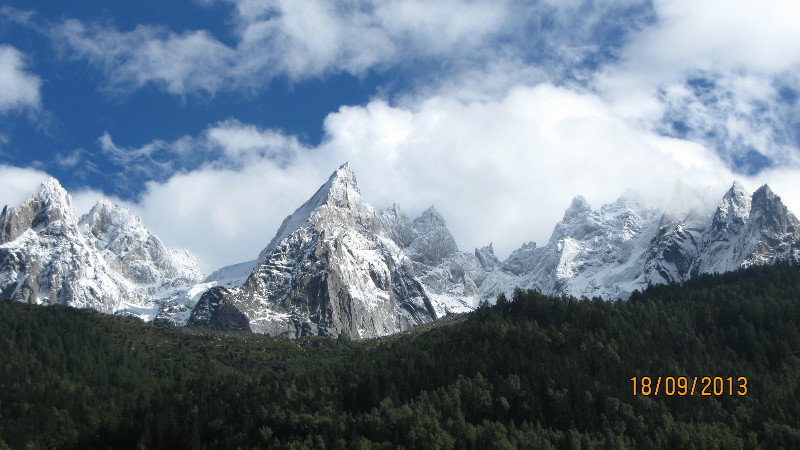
pixel 131 250
pixel 627 245
pixel 330 270
pixel 107 260
pixel 337 267
pixel 757 230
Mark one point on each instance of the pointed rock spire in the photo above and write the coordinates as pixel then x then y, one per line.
pixel 50 204
pixel 737 194
pixel 578 206
pixel 340 193
pixel 341 190
pixel 732 213
pixel 770 214
pixel 486 257
pixel 434 241
pixel 429 219
pixel 764 195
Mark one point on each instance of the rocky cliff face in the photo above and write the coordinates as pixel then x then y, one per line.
pixel 107 261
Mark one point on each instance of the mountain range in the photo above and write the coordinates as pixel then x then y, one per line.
pixel 338 267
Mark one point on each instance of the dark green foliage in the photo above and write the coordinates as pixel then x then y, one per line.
pixel 532 372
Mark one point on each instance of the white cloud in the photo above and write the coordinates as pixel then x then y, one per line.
pixel 19 89
pixel 501 171
pixel 241 142
pixel 744 49
pixel 301 39
pixel 298 38
pixel 504 171
pixel 180 63
pixel 721 33
pixel 17 184
pixel 737 114
pixel 718 36
pixel 69 160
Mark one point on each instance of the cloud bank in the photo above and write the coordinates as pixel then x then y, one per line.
pixel 500 171
pixel 512 109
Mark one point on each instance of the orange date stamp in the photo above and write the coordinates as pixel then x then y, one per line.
pixel 690 386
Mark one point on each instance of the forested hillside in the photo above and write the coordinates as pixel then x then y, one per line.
pixel 532 372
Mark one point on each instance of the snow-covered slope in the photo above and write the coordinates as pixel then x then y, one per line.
pixel 107 261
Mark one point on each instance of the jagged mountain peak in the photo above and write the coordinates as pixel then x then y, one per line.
pixel 341 187
pixel 55 204
pixel 737 194
pixel 578 206
pixel 107 261
pixel 332 269
pixel 433 241
pixel 341 191
pixel 105 203
pixel 107 222
pixel 51 205
pixel 768 212
pixel 738 189
pixel 429 219
pixel 764 193
pixel 52 190
pixel 395 210
pixel 105 210
pixel 732 212
pixel 344 174
pixel 130 249
pixel 521 260
pixel 765 202
pixel 396 226
pixel 486 257
pixel 339 196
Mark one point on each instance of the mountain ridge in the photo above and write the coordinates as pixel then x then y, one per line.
pixel 338 267
pixel 106 260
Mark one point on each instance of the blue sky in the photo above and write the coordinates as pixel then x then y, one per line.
pixel 215 118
